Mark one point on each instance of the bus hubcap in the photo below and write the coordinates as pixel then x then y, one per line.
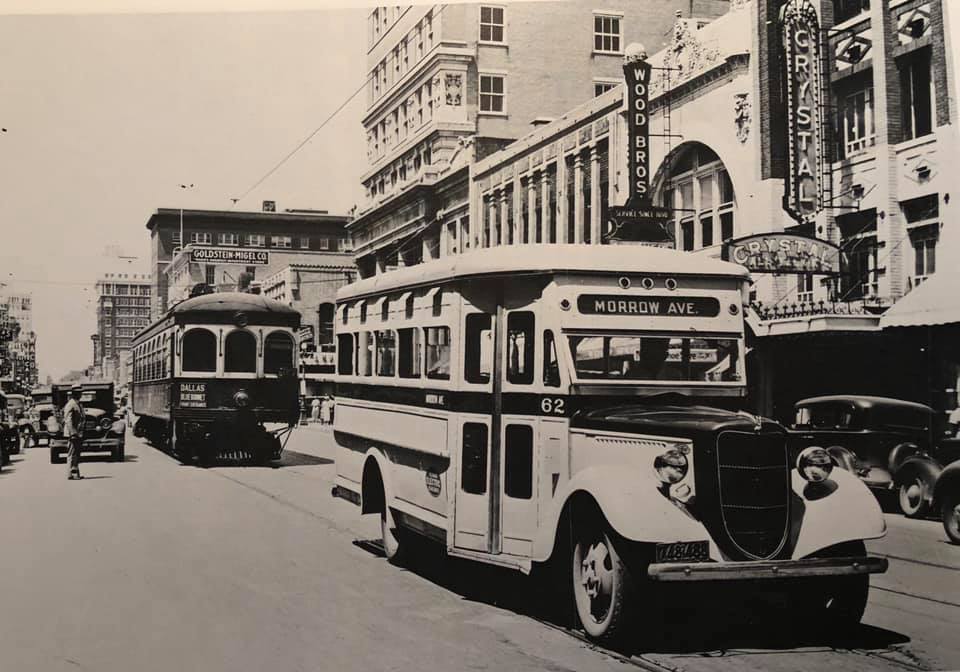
pixel 596 577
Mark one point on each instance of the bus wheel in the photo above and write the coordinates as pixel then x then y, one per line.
pixel 601 585
pixel 394 541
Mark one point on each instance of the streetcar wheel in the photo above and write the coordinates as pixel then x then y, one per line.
pixel 951 517
pixel 912 496
pixel 394 543
pixel 602 585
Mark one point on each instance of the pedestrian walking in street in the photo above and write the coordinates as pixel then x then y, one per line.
pixel 315 410
pixel 73 430
pixel 325 411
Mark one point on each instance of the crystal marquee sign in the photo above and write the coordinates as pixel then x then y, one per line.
pixel 801 42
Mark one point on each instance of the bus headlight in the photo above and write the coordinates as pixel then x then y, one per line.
pixel 241 399
pixel 815 464
pixel 672 466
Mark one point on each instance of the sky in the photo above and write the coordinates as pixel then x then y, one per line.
pixel 106 114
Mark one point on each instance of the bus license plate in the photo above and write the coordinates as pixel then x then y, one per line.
pixel 683 551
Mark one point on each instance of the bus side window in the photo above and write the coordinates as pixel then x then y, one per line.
pixel 473 459
pixel 520 347
pixel 345 354
pixel 478 360
pixel 365 361
pixel 518 462
pixel 438 352
pixel 409 353
pixel 386 352
pixel 551 367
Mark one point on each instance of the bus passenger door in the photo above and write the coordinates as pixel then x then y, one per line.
pixel 472 512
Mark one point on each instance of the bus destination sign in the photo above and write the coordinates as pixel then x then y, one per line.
pixel 662 306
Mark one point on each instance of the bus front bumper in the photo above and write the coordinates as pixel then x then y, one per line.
pixel 765 569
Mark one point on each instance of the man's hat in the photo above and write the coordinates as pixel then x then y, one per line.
pixel 76 387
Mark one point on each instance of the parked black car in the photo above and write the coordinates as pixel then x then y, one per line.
pixel 947 494
pixel 892 445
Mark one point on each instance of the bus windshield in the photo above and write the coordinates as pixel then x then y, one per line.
pixel 657 358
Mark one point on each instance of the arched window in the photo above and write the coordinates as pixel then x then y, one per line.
pixel 240 352
pixel 278 353
pixel 199 350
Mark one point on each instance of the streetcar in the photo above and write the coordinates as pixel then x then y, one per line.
pixel 217 377
pixel 576 411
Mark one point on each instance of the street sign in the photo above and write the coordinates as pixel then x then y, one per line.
pixel 644 223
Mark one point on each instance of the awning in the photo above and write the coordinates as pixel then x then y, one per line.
pixel 936 301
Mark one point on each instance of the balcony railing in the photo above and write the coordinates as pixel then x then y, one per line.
pixel 785 311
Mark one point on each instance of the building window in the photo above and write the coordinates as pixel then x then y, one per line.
pixel 857 121
pixel 915 94
pixel 175 239
pixel 858 231
pixel 324 243
pixel 285 242
pixel 701 192
pixel 805 288
pixel 606 34
pixel 256 240
pixel 211 275
pixel 601 86
pixel 847 9
pixel 200 238
pixel 227 239
pixel 491 24
pixel 493 94
pixel 305 243
pixel 923 225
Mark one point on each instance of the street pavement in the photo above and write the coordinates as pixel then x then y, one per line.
pixel 152 565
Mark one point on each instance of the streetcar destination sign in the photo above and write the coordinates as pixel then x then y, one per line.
pixel 665 306
pixel 229 255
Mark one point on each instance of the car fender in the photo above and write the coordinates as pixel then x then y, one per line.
pixel 900 453
pixel 949 480
pixel 844 457
pixel 383 464
pixel 926 468
pixel 632 505
pixel 841 509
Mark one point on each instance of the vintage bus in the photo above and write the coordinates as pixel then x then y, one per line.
pixel 577 407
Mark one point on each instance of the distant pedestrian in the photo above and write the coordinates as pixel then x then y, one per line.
pixel 315 410
pixel 326 411
pixel 73 430
pixel 333 409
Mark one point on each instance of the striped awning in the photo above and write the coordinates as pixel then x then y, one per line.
pixel 936 301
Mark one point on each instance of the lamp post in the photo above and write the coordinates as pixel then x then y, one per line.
pixel 186 187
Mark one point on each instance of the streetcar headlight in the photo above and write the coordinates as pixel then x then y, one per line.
pixel 672 466
pixel 241 399
pixel 815 464
pixel 106 423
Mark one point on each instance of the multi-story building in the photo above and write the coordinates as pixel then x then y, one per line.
pixel 831 148
pixel 123 309
pixel 19 353
pixel 237 235
pixel 448 83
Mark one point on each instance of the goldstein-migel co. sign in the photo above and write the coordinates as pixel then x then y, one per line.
pixel 801 42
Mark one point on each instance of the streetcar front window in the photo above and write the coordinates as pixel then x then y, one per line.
pixel 655 358
pixel 277 353
pixel 240 353
pixel 199 351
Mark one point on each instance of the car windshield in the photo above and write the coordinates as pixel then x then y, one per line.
pixel 655 358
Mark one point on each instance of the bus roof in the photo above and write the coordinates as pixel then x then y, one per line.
pixel 551 258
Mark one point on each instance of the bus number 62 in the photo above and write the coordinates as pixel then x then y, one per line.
pixel 552 405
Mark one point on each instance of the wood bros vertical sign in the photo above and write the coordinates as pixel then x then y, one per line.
pixel 801 42
pixel 636 71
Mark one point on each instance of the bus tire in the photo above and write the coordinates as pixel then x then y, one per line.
pixel 393 538
pixel 602 585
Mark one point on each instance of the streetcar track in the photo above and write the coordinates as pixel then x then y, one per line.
pixel 914 561
pixel 916 597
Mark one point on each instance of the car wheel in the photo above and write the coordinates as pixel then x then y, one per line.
pixel 602 585
pixel 950 509
pixel 912 496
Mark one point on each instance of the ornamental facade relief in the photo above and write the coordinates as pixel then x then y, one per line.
pixel 742 115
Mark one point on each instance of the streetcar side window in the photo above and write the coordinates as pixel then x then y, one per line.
pixel 478 360
pixel 438 352
pixel 277 352
pixel 199 350
pixel 386 352
pixel 473 459
pixel 409 353
pixel 520 347
pixel 345 354
pixel 240 352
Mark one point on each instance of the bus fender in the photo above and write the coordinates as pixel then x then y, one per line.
pixel 841 509
pixel 630 502
pixel 375 461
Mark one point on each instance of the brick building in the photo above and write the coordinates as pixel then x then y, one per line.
pixel 123 309
pixel 271 236
pixel 451 83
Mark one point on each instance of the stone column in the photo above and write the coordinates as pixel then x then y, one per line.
pixel 594 195
pixel 533 231
pixel 561 212
pixel 444 241
pixel 545 212
pixel 517 212
pixel 504 217
pixel 578 199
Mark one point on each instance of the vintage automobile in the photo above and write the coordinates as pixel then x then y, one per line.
pixel 8 435
pixel 946 493
pixel 36 429
pixel 16 417
pixel 103 428
pixel 892 445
